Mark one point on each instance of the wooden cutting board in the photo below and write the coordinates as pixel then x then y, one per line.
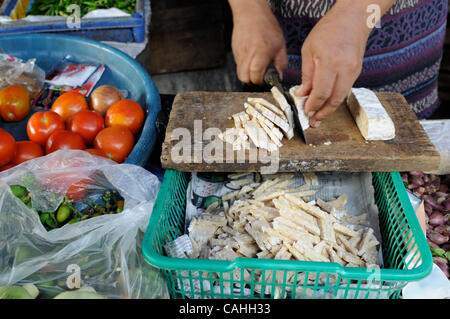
pixel 338 143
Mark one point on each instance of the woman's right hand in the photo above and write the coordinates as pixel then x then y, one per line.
pixel 257 40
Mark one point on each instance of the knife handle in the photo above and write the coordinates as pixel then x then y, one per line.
pixel 271 76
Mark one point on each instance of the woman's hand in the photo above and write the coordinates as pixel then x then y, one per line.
pixel 332 57
pixel 257 40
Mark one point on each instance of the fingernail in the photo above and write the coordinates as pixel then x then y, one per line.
pixel 311 114
pixel 317 124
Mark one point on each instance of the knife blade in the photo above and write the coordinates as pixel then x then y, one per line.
pixel 272 78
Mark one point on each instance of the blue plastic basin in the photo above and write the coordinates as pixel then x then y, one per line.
pixel 121 71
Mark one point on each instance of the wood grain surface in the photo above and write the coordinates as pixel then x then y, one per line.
pixel 410 150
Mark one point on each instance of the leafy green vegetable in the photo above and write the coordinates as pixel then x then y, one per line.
pixel 62 7
pixel 68 212
pixel 439 252
pixel 18 190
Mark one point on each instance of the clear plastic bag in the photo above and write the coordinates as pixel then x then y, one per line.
pixel 439 133
pixel 16 71
pixel 106 248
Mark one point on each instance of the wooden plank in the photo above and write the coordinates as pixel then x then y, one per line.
pixel 410 150
pixel 187 38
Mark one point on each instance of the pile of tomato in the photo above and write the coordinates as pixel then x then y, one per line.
pixel 71 123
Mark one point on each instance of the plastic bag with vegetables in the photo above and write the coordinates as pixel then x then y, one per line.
pixel 17 71
pixel 71 220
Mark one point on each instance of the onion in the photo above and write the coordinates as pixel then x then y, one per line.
pixel 440 200
pixel 443 188
pixel 415 173
pixel 431 244
pixel 417 180
pixel 437 238
pixel 103 97
pixel 436 219
pixel 433 203
pixel 443 230
pixel 428 209
pixel 446 205
pixel 440 194
pixel 441 260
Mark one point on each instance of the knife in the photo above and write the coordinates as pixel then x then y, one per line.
pixel 272 78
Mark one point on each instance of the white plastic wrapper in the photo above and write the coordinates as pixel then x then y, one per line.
pixel 17 71
pixel 434 286
pixel 106 249
pixel 439 133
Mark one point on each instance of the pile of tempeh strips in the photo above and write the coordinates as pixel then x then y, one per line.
pixel 264 124
pixel 268 218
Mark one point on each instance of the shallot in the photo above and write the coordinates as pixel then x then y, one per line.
pixel 443 230
pixel 436 219
pixel 434 191
pixel 433 203
pixel 437 238
pixel 442 263
pixel 446 205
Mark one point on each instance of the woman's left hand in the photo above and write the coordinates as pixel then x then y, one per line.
pixel 332 57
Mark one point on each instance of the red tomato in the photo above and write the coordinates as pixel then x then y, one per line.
pixel 42 124
pixel 117 142
pixel 69 104
pixel 87 124
pixel 64 140
pixel 125 113
pixel 14 103
pixel 26 150
pixel 78 190
pixel 7 147
pixel 96 152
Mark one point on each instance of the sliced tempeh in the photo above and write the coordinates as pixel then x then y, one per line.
pixel 284 105
pixel 311 179
pixel 372 119
pixel 310 225
pixel 300 105
pixel 347 245
pixel 344 230
pixel 326 230
pixel 334 257
pixel 259 136
pixel 237 121
pixel 268 105
pixel 310 253
pixel 274 138
pixel 282 124
pixel 313 210
pixel 238 175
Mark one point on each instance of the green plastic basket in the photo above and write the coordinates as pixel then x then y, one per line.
pixel 405 253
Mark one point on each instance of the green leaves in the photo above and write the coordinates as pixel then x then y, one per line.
pixel 439 252
pixel 59 7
